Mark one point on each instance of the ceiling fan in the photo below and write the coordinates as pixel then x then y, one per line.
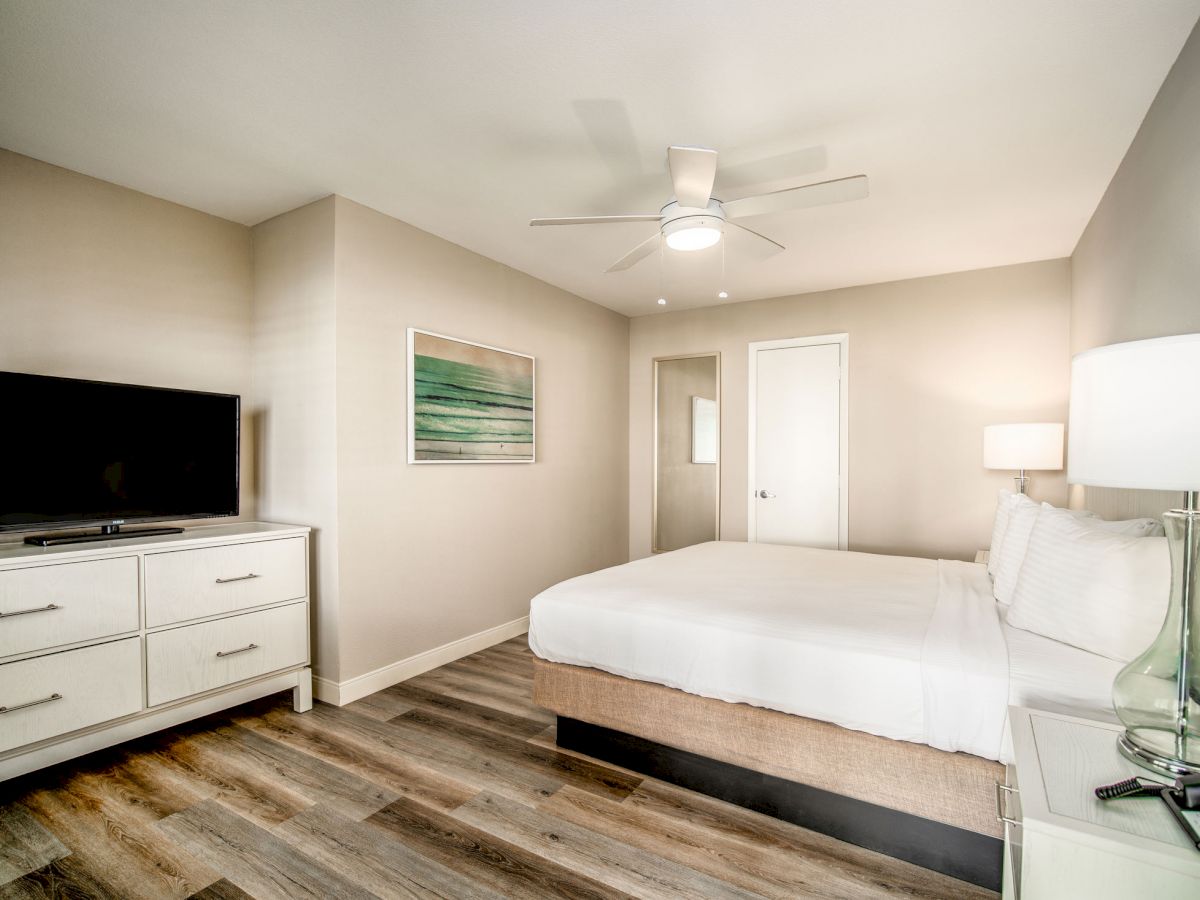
pixel 695 219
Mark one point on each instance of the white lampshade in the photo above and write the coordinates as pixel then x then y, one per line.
pixel 1135 415
pixel 1032 445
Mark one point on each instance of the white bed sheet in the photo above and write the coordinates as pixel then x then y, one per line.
pixel 1055 677
pixel 829 635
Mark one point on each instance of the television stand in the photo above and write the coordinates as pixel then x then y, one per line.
pixel 106 533
pixel 129 644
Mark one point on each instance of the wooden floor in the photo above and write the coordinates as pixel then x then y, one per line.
pixel 448 785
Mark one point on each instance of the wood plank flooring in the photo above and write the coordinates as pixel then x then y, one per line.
pixel 448 785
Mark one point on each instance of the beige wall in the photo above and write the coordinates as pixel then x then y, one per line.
pixel 294 397
pixel 429 554
pixel 98 281
pixel 687 491
pixel 305 316
pixel 1136 271
pixel 932 360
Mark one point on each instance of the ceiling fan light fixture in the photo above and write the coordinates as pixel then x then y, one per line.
pixel 692 233
pixel 694 219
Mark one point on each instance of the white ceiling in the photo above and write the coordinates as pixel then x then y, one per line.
pixel 989 129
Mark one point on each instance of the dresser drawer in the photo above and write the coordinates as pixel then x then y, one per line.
pixel 52 695
pixel 195 658
pixel 49 606
pixel 211 581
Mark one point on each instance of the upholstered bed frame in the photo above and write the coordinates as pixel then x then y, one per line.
pixel 910 801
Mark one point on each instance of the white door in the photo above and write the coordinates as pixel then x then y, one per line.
pixel 797 442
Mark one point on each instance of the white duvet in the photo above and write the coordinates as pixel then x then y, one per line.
pixel 904 648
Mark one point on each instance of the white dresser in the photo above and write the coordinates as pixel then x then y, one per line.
pixel 102 642
pixel 1062 842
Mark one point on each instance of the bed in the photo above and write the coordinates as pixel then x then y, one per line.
pixel 858 694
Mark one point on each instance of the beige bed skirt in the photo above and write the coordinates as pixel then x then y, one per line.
pixel 953 788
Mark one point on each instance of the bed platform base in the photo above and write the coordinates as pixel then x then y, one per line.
pixel 957 852
pixel 908 800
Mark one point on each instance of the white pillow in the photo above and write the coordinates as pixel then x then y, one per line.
pixel 1096 589
pixel 1132 527
pixel 1016 541
pixel 1012 549
pixel 1005 503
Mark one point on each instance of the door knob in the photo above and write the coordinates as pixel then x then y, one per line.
pixel 766 495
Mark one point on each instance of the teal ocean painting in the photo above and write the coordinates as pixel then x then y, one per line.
pixel 469 402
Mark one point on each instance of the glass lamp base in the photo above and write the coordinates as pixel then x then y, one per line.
pixel 1157 695
pixel 1150 758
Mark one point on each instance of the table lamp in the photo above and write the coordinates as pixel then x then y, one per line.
pixel 1029 446
pixel 1135 423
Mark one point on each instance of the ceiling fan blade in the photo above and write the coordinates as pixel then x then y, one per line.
pixel 637 254
pixel 597 220
pixel 839 190
pixel 758 245
pixel 693 170
pixel 766 174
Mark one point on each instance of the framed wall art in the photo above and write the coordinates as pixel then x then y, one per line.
pixel 468 402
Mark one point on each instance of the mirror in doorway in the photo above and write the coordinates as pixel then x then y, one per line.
pixel 687 441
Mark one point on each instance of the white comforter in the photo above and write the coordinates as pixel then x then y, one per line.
pixel 905 648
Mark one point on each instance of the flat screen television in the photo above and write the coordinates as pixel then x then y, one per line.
pixel 76 453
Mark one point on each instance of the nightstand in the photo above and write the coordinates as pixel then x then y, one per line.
pixel 1062 842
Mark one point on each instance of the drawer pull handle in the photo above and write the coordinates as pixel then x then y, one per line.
pixel 224 653
pixel 25 612
pixel 1001 790
pixel 8 709
pixel 239 578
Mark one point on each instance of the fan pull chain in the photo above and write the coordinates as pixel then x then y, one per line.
pixel 722 293
pixel 662 254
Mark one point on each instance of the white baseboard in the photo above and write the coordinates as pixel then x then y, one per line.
pixel 339 693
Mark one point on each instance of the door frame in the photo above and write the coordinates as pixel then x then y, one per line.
pixel 716 355
pixel 842 339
